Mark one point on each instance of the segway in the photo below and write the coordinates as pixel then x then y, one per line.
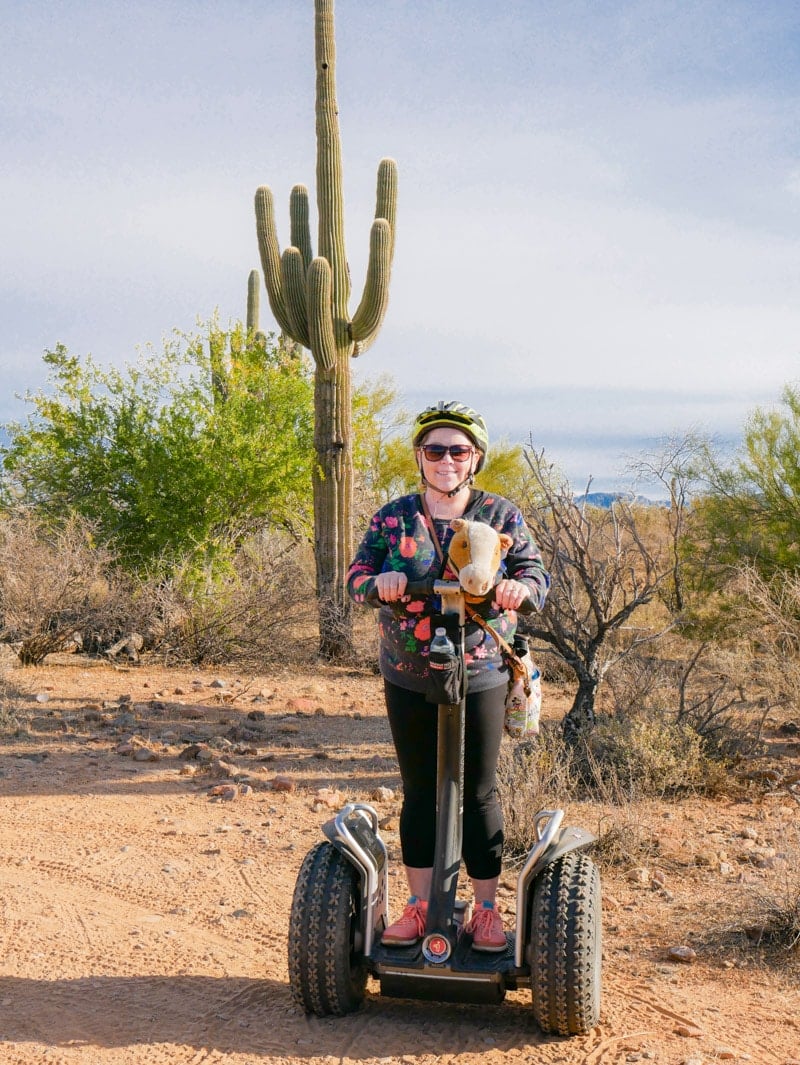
pixel 340 905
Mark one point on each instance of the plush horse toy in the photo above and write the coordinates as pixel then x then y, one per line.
pixel 474 555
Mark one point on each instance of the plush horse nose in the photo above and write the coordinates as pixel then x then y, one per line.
pixel 474 581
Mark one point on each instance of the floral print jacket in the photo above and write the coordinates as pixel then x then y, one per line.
pixel 398 538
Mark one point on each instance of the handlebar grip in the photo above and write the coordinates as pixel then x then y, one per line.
pixel 527 606
pixel 421 589
pixel 416 589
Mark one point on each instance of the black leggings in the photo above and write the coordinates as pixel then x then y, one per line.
pixel 413 723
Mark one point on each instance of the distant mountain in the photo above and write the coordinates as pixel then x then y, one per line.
pixel 603 500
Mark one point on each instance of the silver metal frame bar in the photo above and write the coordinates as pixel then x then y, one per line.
pixel 546 826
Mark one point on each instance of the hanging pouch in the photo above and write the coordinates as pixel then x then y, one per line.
pixel 524 698
pixel 445 664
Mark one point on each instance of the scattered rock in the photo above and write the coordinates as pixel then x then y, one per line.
pixel 281 783
pixel 224 769
pixel 683 954
pixel 217 683
pixel 638 876
pixel 689 1031
pixel 130 645
pixel 227 792
pixel 328 798
pixel 146 754
pixel 382 794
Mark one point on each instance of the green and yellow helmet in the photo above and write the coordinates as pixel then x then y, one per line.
pixel 455 416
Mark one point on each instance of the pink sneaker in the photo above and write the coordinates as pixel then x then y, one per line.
pixel 486 929
pixel 410 927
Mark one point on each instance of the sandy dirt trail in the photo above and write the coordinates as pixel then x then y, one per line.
pixel 143 921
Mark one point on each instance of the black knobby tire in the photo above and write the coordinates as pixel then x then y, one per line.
pixel 565 947
pixel 326 974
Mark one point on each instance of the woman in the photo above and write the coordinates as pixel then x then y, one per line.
pixel 451 443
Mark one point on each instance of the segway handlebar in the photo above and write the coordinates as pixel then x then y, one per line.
pixel 425 589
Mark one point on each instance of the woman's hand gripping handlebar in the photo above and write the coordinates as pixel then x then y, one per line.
pixel 392 587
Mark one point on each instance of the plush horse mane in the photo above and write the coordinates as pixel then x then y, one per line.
pixel 474 553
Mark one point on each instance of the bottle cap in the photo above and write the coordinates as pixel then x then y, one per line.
pixel 440 632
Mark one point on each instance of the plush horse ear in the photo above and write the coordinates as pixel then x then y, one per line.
pixel 457 523
pixel 505 541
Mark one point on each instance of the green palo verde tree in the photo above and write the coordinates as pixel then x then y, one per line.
pixel 176 458
pixel 309 296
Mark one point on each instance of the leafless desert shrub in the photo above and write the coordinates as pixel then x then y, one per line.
pixel 263 610
pixel 624 837
pixel 772 919
pixel 721 694
pixel 9 721
pixel 532 776
pixel 545 774
pixel 769 615
pixel 608 566
pixel 54 583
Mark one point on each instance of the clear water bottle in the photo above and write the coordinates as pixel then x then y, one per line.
pixel 446 672
pixel 441 644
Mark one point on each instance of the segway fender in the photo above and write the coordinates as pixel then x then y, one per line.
pixel 354 832
pixel 552 843
pixel 570 839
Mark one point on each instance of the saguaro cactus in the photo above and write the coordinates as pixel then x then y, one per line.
pixel 309 297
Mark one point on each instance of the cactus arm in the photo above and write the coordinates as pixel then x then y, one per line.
pixel 386 197
pixel 330 197
pixel 270 256
pixel 320 321
pixel 294 290
pixel 372 308
pixel 301 231
pixel 253 301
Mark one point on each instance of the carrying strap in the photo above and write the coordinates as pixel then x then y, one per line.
pixel 513 661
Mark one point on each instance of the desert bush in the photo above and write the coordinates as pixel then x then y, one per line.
pixel 170 455
pixel 262 611
pixel 606 565
pixel 532 775
pixel 645 755
pixel 547 773
pixel 773 917
pixel 8 718
pixel 56 582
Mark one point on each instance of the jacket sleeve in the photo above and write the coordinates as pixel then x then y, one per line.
pixel 523 562
pixel 368 562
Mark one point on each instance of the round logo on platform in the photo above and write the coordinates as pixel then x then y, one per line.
pixel 436 947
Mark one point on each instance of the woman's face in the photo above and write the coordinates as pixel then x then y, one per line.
pixel 448 472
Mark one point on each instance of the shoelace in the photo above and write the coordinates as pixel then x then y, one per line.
pixel 413 912
pixel 483 921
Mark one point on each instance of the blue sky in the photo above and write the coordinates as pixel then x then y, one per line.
pixel 599 211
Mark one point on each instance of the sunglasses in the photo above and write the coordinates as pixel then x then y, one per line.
pixel 436 452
